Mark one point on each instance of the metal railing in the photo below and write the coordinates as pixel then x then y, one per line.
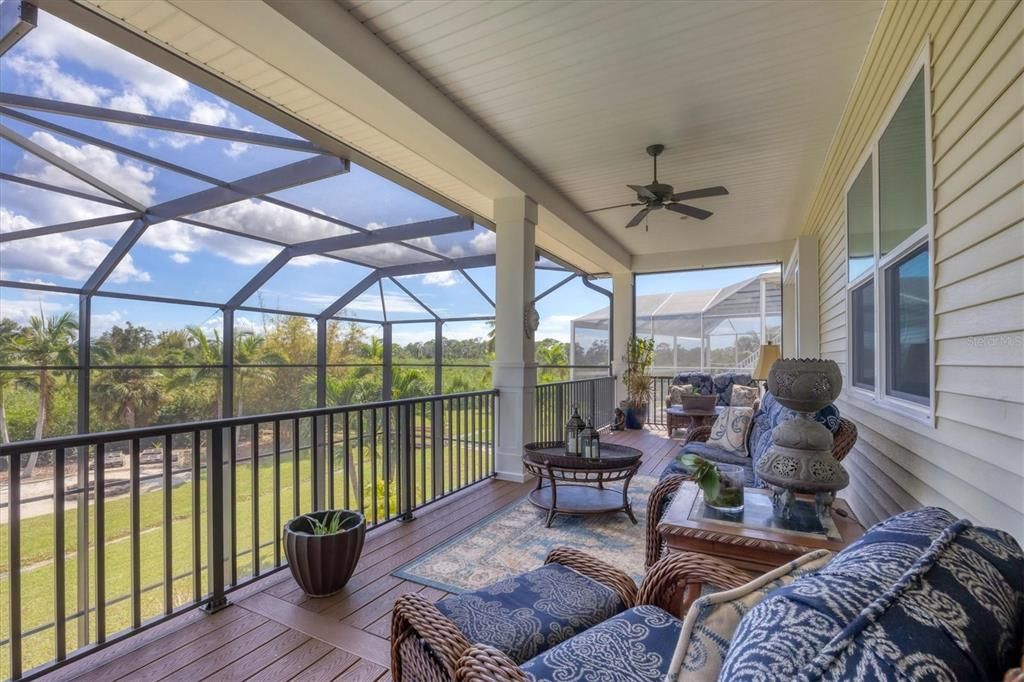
pixel 656 408
pixel 595 399
pixel 137 526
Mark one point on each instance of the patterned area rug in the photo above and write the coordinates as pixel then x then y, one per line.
pixel 514 540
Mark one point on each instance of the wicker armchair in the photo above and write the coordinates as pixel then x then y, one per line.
pixel 426 645
pixel 842 443
pixel 672 585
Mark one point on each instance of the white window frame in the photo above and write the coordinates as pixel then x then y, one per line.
pixel 879 395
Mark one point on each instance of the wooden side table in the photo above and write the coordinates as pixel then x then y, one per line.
pixel 753 541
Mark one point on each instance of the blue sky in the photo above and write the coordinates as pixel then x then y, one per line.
pixel 177 260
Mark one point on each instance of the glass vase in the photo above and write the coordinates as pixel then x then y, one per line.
pixel 731 479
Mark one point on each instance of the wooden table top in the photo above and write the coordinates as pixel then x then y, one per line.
pixel 678 522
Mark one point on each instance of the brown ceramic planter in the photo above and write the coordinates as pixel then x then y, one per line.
pixel 322 564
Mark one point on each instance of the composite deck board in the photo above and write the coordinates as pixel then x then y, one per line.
pixel 273 632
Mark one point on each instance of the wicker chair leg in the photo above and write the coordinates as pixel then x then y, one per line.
pixel 661 493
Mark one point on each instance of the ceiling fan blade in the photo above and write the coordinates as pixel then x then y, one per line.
pixel 700 193
pixel 642 191
pixel 638 218
pixel 607 208
pixel 692 211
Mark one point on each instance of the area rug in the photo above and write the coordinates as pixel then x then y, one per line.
pixel 514 540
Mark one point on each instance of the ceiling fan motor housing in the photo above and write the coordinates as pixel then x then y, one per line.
pixel 661 191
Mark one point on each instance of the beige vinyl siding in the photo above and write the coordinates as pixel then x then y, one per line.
pixel 972 460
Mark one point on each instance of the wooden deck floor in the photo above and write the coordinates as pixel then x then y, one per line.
pixel 273 632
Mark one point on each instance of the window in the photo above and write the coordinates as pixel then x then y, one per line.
pixel 888 222
pixel 862 334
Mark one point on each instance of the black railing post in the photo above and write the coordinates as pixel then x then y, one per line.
pixel 318 461
pixel 407 450
pixel 215 517
pixel 437 447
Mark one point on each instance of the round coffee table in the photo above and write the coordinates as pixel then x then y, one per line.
pixel 576 484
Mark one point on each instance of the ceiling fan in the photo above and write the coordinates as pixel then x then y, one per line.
pixel 656 196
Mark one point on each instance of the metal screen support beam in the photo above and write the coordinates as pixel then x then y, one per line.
pixel 383 305
pixel 48 156
pixel 350 295
pixel 415 298
pixel 275 180
pixel 438 355
pixel 321 362
pixel 611 316
pixel 84 366
pixel 61 190
pixel 227 391
pixel 158 122
pixel 298 173
pixel 68 227
pixel 554 288
pixel 477 287
pixel 387 384
pixel 428 228
pixel 117 252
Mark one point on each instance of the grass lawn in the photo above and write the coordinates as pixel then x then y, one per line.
pixel 37 541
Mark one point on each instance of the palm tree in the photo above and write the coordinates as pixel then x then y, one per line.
pixel 128 392
pixel 9 340
pixel 250 353
pixel 409 382
pixel 208 354
pixel 46 343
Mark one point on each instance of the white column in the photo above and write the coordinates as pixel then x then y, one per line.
pixel 804 305
pixel 622 326
pixel 514 368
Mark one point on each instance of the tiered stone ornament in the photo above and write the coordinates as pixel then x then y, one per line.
pixel 800 459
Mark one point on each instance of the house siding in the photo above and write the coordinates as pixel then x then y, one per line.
pixel 972 460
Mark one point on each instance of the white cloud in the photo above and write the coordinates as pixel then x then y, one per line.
pixel 128 177
pixel 180 258
pixel 484 242
pixel 61 254
pixel 51 82
pixel 184 239
pixel 129 102
pixel 21 309
pixel 102 322
pixel 440 279
pixel 57 41
pixel 554 327
pixel 252 216
pixel 396 303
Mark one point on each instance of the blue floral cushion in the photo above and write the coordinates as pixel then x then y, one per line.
pixel 529 613
pixel 919 596
pixel 634 646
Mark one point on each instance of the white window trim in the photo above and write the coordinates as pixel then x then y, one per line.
pixel 880 396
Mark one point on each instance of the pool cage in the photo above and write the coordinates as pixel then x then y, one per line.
pixel 710 330
pixel 383 255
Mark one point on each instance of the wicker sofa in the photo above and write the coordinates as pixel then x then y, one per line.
pixel 529 614
pixel 767 415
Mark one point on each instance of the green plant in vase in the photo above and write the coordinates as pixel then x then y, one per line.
pixel 722 484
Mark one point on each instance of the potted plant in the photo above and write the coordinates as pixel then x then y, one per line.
pixel 639 383
pixel 722 484
pixel 322 549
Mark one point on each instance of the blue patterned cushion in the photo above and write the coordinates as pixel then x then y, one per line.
pixel 700 381
pixel 919 596
pixel 771 414
pixel 529 613
pixel 634 646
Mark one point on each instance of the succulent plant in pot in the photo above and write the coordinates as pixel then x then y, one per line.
pixel 322 549
pixel 639 383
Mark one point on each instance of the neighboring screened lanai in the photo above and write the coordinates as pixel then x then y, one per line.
pixel 713 330
pixel 167 238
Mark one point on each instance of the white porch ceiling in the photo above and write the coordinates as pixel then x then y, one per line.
pixel 743 94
